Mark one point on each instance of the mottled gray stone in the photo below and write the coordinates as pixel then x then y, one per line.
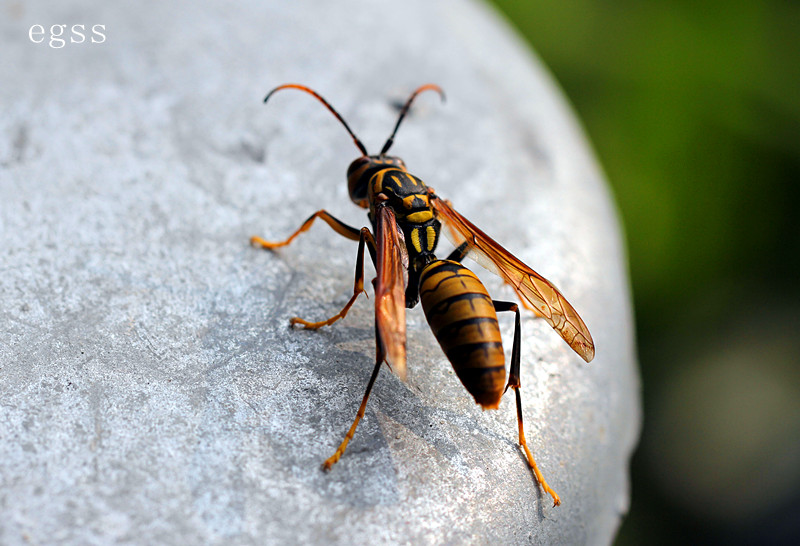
pixel 150 389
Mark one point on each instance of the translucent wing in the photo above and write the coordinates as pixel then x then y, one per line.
pixel 390 298
pixel 545 299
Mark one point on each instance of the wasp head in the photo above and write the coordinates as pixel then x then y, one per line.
pixel 362 170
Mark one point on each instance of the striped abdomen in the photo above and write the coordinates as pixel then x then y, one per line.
pixel 462 317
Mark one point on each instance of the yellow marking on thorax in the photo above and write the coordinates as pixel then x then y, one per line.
pixel 397 182
pixel 431 237
pixel 415 240
pixel 408 201
pixel 377 182
pixel 419 217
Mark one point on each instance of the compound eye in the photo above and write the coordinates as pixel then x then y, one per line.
pixel 357 164
pixel 357 182
pixel 358 194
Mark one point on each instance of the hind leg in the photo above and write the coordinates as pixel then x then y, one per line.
pixel 514 383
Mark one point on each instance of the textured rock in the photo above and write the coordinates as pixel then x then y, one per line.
pixel 150 389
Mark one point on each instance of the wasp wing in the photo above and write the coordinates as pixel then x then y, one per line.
pixel 390 296
pixel 545 299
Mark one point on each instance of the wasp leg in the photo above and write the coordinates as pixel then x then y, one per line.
pixel 459 253
pixel 358 285
pixel 338 226
pixel 514 383
pixel 330 461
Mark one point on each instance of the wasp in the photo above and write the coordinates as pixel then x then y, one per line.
pixel 405 223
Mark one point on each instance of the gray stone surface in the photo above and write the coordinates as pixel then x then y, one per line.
pixel 150 389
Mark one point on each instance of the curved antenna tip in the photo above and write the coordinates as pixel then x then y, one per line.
pixel 404 111
pixel 431 87
pixel 310 91
pixel 438 90
pixel 294 86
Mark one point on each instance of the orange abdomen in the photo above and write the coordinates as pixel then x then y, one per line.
pixel 463 319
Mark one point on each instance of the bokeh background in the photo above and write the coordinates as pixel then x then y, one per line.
pixel 694 111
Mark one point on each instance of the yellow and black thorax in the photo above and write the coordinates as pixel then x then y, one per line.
pixel 408 197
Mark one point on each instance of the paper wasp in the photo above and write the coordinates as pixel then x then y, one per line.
pixel 405 218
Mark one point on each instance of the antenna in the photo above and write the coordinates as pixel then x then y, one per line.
pixel 334 112
pixel 406 106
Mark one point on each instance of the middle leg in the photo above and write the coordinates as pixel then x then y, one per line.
pixel 358 285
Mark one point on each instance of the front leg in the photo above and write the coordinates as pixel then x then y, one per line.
pixel 338 226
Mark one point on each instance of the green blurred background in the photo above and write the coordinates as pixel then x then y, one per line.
pixel 694 111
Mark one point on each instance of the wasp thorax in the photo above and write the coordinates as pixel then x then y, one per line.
pixel 361 171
